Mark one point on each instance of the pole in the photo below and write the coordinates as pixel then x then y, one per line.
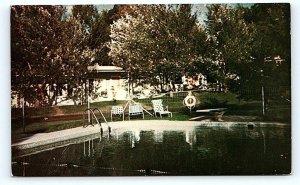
pixel 262 93
pixel 128 76
pixel 263 99
pixel 23 114
pixel 88 100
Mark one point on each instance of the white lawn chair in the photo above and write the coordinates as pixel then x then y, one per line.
pixel 135 109
pixel 117 110
pixel 158 108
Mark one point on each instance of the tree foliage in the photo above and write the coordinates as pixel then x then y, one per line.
pixel 252 44
pixel 272 42
pixel 36 33
pixel 155 41
pixel 96 26
pixel 47 52
pixel 85 14
pixel 231 41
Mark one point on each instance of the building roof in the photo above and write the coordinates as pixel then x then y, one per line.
pixel 105 72
pixel 98 68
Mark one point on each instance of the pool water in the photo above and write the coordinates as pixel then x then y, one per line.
pixel 202 150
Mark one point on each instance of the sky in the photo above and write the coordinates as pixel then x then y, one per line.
pixel 100 7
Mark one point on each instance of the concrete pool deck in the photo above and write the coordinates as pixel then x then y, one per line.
pixel 41 139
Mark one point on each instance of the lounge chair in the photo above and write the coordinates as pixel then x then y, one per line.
pixel 135 109
pixel 158 108
pixel 117 110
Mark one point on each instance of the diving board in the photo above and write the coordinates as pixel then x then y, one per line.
pixel 216 113
pixel 212 110
pixel 196 118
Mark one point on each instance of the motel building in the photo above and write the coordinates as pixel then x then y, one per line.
pixel 109 83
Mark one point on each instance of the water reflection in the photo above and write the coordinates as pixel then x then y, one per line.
pixel 190 136
pixel 158 136
pixel 190 151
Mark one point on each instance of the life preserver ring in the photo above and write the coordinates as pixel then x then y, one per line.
pixel 190 101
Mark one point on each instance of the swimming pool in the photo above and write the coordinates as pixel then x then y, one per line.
pixel 199 150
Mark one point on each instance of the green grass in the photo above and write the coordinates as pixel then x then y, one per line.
pixel 51 126
pixel 65 125
pixel 205 100
pixel 67 109
pixel 212 100
pixel 42 127
pixel 276 111
pixel 175 117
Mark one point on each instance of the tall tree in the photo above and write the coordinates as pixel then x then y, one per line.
pixel 47 52
pixel 36 34
pixel 231 41
pixel 86 14
pixel 155 40
pixel 252 44
pixel 99 36
pixel 272 46
pixel 96 25
pixel 78 55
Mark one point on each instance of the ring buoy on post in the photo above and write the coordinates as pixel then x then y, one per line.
pixel 190 101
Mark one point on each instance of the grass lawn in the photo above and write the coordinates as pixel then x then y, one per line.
pixel 276 111
pixel 42 127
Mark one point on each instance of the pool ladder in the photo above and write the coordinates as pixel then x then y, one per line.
pixel 91 116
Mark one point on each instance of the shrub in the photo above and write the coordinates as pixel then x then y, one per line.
pixel 216 99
